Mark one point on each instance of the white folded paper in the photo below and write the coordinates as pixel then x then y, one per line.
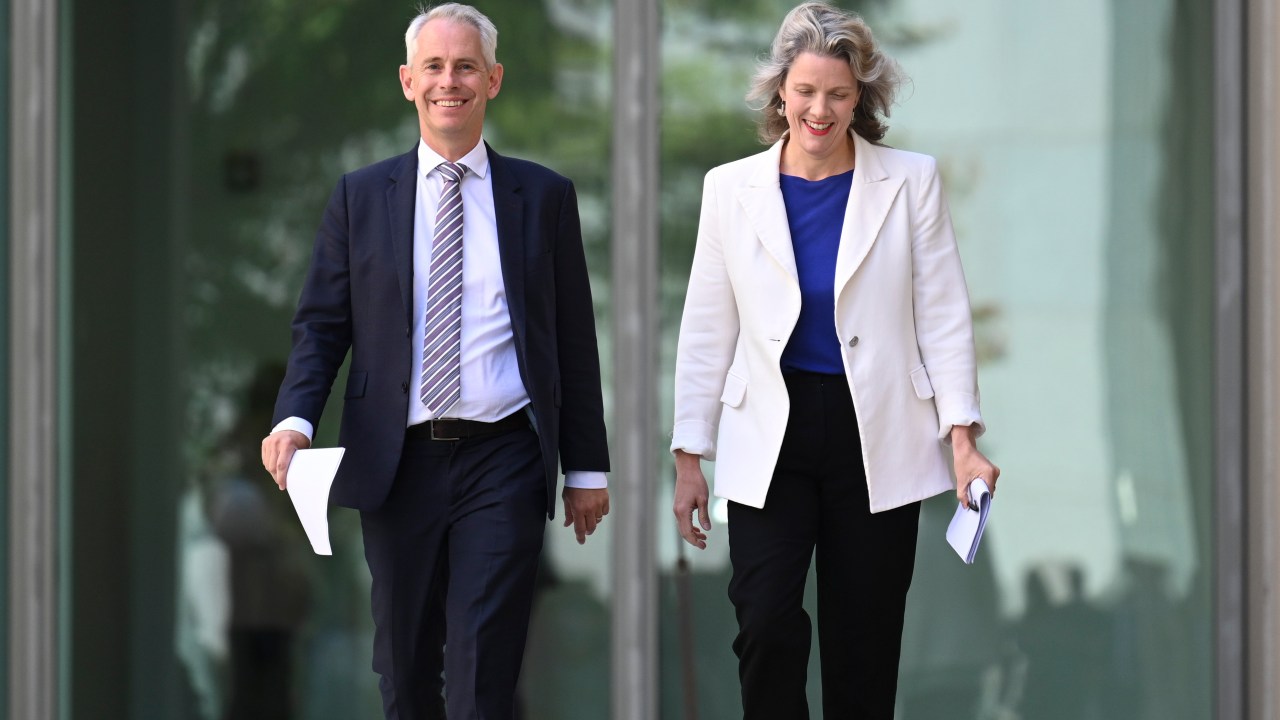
pixel 308 480
pixel 965 531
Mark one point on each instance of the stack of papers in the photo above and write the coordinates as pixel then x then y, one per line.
pixel 308 480
pixel 965 531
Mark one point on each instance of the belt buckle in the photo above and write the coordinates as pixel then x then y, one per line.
pixel 437 437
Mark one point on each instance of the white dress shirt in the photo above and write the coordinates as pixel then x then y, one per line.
pixel 491 384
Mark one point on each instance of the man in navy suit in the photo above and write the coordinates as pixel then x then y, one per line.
pixel 456 279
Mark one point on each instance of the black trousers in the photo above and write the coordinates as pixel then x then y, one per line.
pixel 453 554
pixel 818 499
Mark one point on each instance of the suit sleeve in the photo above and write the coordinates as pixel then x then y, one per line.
pixel 944 326
pixel 708 334
pixel 584 444
pixel 322 322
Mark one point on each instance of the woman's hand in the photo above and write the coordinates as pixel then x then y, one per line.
pixel 691 494
pixel 970 464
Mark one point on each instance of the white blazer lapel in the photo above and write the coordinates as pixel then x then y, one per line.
pixel 870 198
pixel 761 201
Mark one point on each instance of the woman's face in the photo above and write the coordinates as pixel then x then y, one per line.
pixel 820 94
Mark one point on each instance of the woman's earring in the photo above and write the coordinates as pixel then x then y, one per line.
pixel 782 108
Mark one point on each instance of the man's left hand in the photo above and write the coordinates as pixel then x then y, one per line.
pixel 584 508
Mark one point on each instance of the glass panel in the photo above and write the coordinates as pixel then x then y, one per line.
pixel 196 204
pixel 1080 184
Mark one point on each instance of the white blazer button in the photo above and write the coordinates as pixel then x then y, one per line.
pixel 853 342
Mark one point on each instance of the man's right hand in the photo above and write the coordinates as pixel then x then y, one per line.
pixel 277 451
pixel 691 495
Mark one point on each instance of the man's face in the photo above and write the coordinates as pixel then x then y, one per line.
pixel 450 84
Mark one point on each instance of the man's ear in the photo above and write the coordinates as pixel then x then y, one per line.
pixel 406 82
pixel 495 80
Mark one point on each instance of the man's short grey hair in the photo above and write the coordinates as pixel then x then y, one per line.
pixel 457 12
pixel 826 31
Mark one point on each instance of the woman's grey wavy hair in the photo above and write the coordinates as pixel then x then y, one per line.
pixel 457 12
pixel 829 32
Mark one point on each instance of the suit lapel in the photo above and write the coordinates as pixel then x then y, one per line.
pixel 870 198
pixel 508 210
pixel 402 194
pixel 762 202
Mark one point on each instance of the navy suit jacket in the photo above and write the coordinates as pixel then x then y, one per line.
pixel 358 297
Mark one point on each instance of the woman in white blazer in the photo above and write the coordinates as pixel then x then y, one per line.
pixel 825 363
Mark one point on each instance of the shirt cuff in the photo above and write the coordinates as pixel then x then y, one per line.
pixel 296 424
pixel 585 479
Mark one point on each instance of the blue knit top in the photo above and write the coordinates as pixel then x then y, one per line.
pixel 815 214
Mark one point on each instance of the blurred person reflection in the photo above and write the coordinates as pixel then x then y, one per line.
pixel 203 603
pixel 1147 643
pixel 1065 640
pixel 270 588
pixel 953 665
pixel 825 362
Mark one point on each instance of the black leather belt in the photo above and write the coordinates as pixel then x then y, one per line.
pixel 458 429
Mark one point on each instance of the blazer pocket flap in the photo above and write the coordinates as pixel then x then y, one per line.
pixel 920 381
pixel 356 382
pixel 735 388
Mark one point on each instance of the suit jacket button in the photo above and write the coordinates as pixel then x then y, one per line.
pixel 406 332
pixel 853 342
pixel 404 387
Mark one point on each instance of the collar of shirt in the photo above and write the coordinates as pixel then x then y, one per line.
pixel 476 160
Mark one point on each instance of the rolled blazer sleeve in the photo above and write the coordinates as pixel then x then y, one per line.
pixel 944 325
pixel 708 334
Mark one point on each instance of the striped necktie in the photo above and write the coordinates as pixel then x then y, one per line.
pixel 442 346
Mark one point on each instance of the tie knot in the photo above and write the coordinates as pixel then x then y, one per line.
pixel 453 172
